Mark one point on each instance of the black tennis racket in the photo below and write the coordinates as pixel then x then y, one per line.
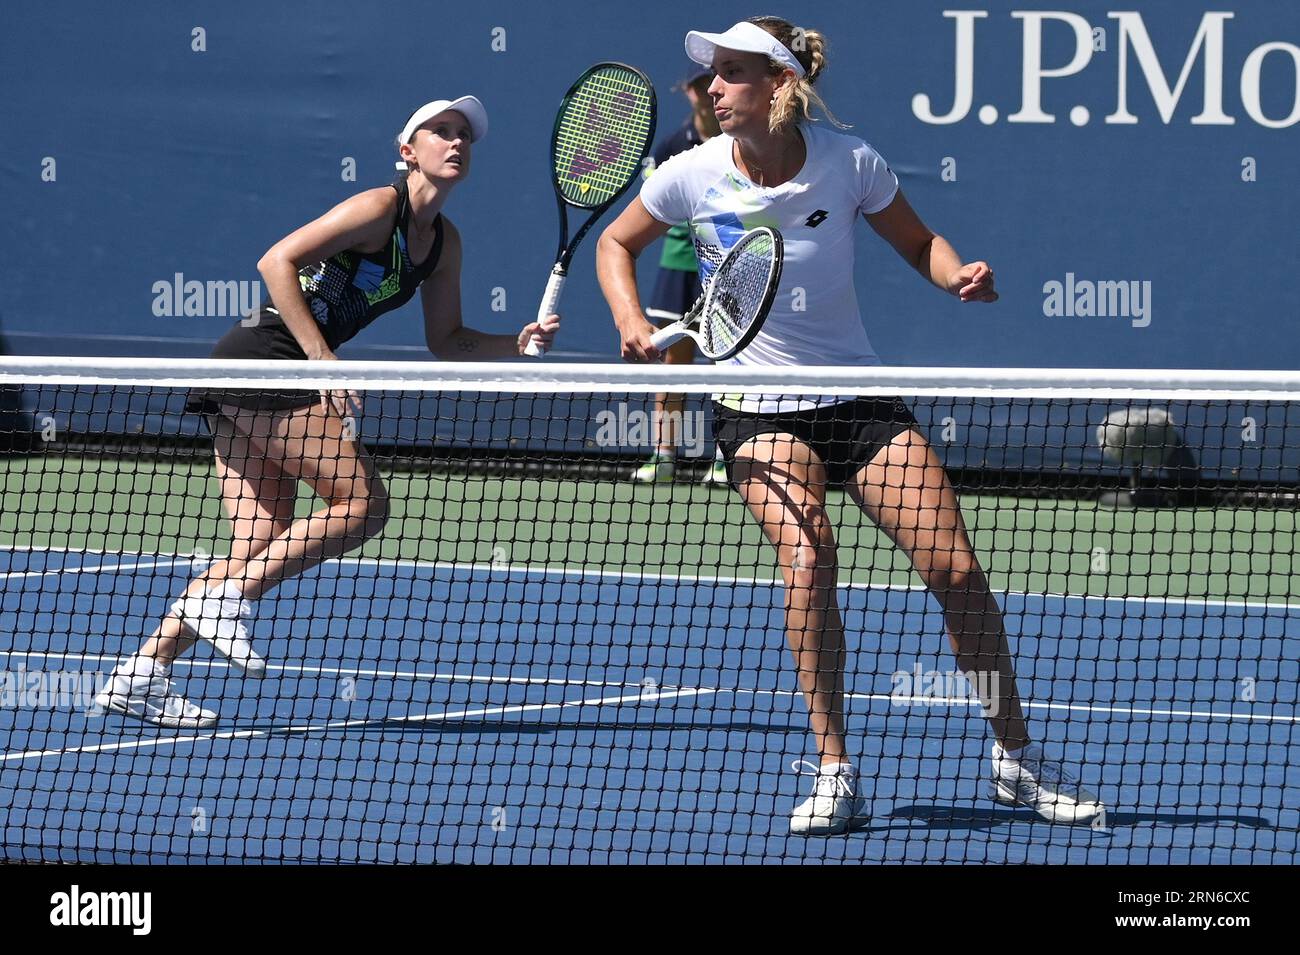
pixel 603 131
pixel 740 294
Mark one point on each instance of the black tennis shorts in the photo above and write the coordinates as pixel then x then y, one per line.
pixel 846 435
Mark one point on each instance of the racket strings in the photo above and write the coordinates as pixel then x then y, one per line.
pixel 601 135
pixel 739 294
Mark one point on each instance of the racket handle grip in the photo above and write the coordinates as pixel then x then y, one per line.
pixel 550 300
pixel 667 336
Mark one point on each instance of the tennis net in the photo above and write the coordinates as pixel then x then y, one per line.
pixel 524 655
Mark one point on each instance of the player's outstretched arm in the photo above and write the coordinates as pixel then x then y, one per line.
pixel 444 331
pixel 931 254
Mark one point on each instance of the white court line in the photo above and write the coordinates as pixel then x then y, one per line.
pixel 700 578
pixel 337 671
pixel 349 724
pixel 97 569
pixel 952 703
pixel 769 582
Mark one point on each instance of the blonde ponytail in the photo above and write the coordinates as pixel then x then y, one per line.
pixel 796 100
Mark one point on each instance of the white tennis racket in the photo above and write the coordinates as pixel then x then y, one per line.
pixel 740 294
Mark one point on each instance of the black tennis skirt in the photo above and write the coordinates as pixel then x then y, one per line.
pixel 263 336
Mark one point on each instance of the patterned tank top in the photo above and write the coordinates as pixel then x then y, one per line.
pixel 349 290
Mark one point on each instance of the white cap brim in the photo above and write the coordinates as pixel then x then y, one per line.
pixel 745 37
pixel 467 106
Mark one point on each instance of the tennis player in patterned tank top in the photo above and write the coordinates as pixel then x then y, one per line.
pixel 327 281
pixel 773 166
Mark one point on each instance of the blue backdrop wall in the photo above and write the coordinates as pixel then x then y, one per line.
pixel 130 156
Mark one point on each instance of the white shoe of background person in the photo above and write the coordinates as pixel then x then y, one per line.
pixel 220 618
pixel 661 468
pixel 142 687
pixel 716 473
pixel 1024 778
pixel 834 806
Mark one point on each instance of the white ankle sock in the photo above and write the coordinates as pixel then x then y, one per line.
pixel 140 667
pixel 999 753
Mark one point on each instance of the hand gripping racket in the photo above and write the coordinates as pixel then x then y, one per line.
pixel 602 133
pixel 734 306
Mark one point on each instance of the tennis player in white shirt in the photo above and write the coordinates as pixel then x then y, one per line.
pixel 773 166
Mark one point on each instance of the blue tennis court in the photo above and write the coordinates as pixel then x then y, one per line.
pixel 423 712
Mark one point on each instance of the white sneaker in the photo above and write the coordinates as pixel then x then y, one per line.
pixel 717 473
pixel 1047 787
pixel 219 618
pixel 152 699
pixel 660 469
pixel 834 806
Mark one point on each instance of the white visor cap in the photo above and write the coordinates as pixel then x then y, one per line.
pixel 745 37
pixel 467 106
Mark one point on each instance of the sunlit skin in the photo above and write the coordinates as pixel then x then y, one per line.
pixel 742 91
pixel 441 151
pixel 903 489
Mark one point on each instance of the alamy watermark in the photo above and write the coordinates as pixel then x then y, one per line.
pixel 1084 298
pixel 78 907
pixel 917 687
pixel 626 427
pixel 24 689
pixel 180 297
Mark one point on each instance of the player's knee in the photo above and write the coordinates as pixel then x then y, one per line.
pixel 376 511
pixel 810 558
pixel 952 572
pixel 367 513
pixel 271 532
pixel 254 537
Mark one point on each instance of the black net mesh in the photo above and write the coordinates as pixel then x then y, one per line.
pixel 470 624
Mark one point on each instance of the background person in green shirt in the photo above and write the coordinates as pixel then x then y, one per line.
pixel 677 286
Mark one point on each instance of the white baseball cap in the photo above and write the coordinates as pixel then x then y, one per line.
pixel 468 106
pixel 744 36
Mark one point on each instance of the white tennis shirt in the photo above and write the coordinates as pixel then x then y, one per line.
pixel 814 319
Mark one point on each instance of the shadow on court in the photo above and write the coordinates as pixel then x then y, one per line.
pixel 938 816
pixel 496 727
